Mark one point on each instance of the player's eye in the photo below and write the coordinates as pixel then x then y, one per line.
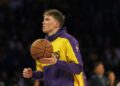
pixel 47 19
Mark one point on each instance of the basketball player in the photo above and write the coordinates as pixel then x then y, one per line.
pixel 65 67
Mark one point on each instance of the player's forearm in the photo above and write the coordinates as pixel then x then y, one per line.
pixel 69 67
pixel 37 75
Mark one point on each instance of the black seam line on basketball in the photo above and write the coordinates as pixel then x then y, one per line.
pixel 38 53
pixel 35 54
pixel 48 47
pixel 45 49
pixel 43 45
pixel 41 49
pixel 40 43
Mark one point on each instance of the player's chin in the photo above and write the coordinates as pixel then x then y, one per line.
pixel 45 30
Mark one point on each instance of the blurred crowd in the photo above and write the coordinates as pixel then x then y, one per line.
pixel 94 23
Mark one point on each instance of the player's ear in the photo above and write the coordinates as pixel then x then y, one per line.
pixel 57 24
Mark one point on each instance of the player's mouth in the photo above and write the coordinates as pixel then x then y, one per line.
pixel 43 26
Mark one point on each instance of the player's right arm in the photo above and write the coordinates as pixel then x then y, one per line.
pixel 29 73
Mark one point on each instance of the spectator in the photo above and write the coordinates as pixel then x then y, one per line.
pixel 2 83
pixel 112 78
pixel 36 83
pixel 98 79
pixel 118 84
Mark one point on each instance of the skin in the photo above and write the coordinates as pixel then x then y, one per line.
pixel 111 77
pixel 36 83
pixel 99 70
pixel 49 26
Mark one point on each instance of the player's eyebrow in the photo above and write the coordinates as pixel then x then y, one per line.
pixel 46 18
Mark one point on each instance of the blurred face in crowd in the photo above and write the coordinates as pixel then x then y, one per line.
pixel 99 70
pixel 49 24
pixel 111 76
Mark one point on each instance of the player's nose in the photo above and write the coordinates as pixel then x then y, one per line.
pixel 43 22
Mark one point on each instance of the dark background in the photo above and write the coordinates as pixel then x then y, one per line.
pixel 95 23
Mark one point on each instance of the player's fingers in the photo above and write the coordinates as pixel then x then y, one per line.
pixel 45 62
pixel 26 71
pixel 25 68
pixel 46 59
pixel 52 55
pixel 26 74
pixel 29 68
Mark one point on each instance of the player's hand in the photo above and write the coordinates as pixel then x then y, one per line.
pixel 51 60
pixel 27 73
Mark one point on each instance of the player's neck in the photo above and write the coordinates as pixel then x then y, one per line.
pixel 53 32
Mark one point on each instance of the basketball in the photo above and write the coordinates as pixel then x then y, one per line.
pixel 41 48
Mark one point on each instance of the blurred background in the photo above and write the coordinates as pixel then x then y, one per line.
pixel 95 23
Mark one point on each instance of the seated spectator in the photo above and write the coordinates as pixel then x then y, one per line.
pixel 98 79
pixel 2 83
pixel 118 84
pixel 112 78
pixel 36 83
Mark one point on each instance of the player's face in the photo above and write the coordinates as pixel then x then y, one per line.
pixel 49 24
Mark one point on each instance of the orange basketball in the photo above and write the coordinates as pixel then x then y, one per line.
pixel 41 48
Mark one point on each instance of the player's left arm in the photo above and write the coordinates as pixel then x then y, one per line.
pixel 38 73
pixel 74 62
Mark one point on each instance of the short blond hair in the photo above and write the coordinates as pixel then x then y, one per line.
pixel 57 15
